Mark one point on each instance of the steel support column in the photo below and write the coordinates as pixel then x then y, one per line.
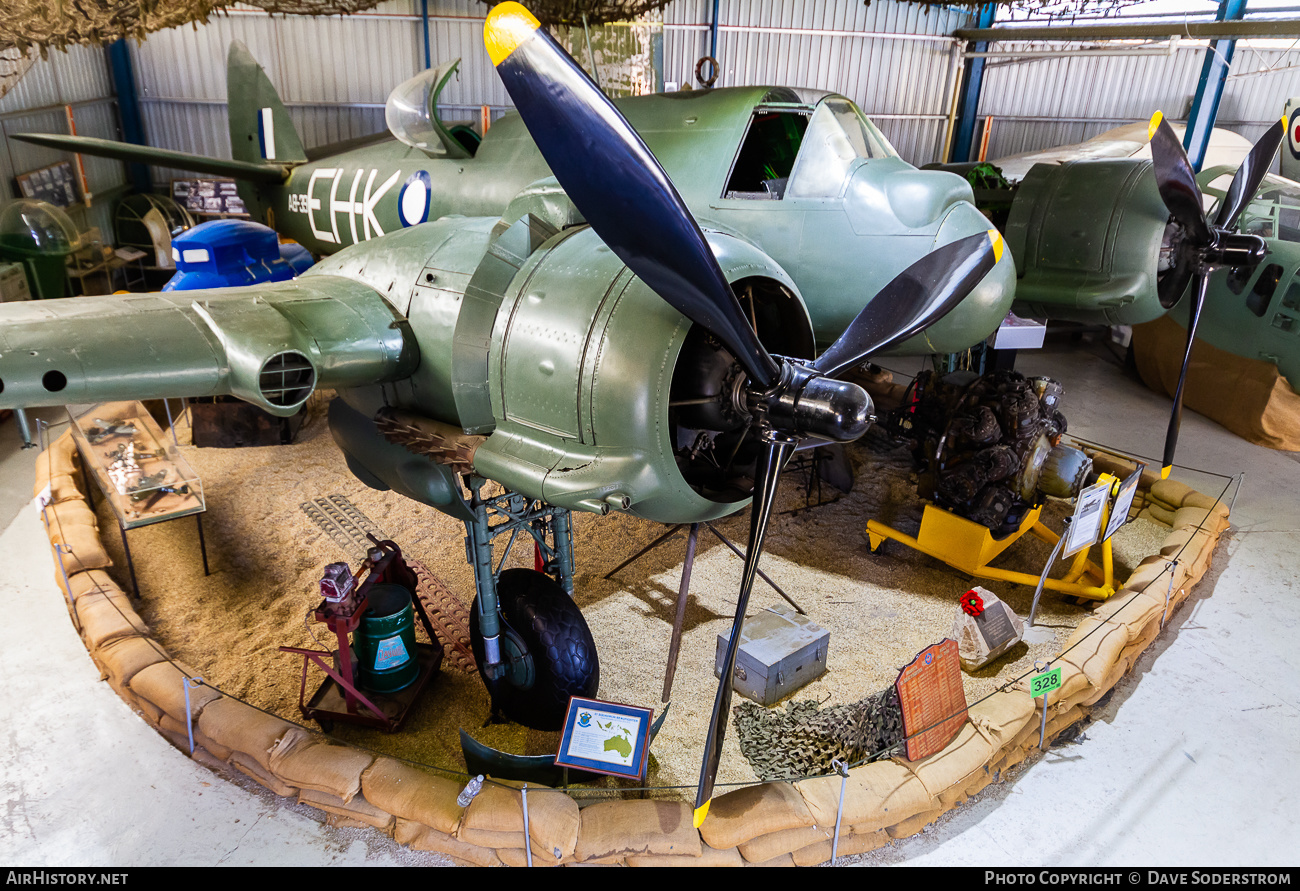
pixel 971 84
pixel 128 110
pixel 424 20
pixel 1209 90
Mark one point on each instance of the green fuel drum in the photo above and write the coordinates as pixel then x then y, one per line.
pixel 385 641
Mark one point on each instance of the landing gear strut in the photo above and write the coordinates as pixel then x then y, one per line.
pixel 533 648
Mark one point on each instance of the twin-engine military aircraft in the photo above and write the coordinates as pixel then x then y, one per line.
pixel 641 306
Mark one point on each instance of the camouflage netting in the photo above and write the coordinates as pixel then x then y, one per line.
pixel 598 12
pixel 45 24
pixel 803 739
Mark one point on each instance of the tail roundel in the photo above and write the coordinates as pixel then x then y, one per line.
pixel 1290 154
pixel 260 129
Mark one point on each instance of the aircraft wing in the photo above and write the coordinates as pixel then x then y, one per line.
pixel 125 151
pixel 1127 141
pixel 270 344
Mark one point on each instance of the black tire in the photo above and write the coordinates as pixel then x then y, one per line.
pixel 543 621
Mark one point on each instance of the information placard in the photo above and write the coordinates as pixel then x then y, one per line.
pixel 1085 526
pixel 1123 502
pixel 606 737
pixel 933 698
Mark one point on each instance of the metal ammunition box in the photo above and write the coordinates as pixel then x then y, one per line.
pixel 780 651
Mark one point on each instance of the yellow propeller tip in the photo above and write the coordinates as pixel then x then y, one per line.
pixel 508 25
pixel 701 812
pixel 998 244
pixel 1164 471
pixel 1155 123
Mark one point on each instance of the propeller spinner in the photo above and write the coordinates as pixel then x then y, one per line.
pixel 1203 245
pixel 618 185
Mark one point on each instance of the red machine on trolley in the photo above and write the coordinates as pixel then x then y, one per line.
pixel 375 678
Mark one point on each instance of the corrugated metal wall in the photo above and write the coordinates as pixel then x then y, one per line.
pixel 894 59
pixel 1040 103
pixel 334 74
pixel 78 77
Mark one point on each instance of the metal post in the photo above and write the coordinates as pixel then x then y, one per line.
pixel 24 428
pixel 528 846
pixel 591 57
pixel 1209 90
pixel 189 714
pixel 1042 579
pixel 171 424
pixel 1171 566
pixel 679 619
pixel 128 109
pixel 424 20
pixel 713 32
pixel 842 769
pixel 972 84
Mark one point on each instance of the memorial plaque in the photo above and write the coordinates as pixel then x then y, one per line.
pixel 933 699
pixel 995 626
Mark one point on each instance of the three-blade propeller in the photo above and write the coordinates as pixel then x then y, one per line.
pixel 1203 245
pixel 618 185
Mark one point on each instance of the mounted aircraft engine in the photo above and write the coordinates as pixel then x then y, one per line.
pixel 988 448
pixel 1092 230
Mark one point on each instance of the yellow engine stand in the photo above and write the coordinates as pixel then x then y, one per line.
pixel 970 547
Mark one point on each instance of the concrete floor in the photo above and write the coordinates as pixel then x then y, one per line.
pixel 1195 760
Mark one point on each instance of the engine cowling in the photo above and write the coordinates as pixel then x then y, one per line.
pixel 1086 237
pixel 587 368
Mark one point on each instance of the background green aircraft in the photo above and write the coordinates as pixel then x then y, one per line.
pixel 585 325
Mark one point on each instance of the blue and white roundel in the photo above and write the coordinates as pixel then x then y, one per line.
pixel 413 202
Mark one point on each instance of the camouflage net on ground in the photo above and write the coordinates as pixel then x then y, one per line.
pixel 803 739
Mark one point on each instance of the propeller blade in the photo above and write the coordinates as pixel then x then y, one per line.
pixel 617 184
pixel 1251 173
pixel 1176 417
pixel 918 297
pixel 1176 181
pixel 777 449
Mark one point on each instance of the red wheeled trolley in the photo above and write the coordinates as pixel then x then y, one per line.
pixel 339 698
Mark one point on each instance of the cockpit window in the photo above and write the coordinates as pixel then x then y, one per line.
pixel 1274 212
pixel 838 135
pixel 767 154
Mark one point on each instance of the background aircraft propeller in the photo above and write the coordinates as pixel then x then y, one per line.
pixel 620 188
pixel 1203 245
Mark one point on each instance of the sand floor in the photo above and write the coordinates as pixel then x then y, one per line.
pixel 267 558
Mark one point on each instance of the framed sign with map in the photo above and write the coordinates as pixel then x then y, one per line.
pixel 606 737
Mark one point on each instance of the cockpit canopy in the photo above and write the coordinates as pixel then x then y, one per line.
pixel 411 114
pixel 802 143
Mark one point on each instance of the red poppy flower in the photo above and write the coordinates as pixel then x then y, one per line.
pixel 972 603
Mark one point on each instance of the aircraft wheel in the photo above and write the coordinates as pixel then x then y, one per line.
pixel 547 646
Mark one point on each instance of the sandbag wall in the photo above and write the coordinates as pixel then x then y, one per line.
pixel 770 824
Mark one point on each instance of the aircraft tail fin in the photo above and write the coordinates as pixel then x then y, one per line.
pixel 260 129
pixel 1290 154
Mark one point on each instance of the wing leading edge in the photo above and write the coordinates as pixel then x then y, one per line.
pixel 271 345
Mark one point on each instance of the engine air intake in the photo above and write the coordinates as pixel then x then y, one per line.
pixel 286 379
